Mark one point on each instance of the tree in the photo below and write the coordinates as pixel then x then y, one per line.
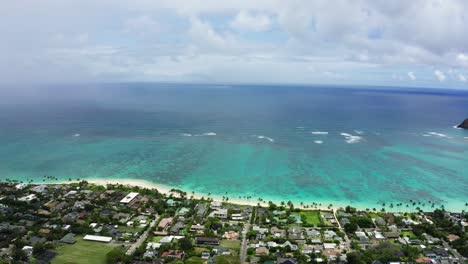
pixel 114 256
pixel 39 248
pixel 185 244
pixel 350 227
pixel 354 258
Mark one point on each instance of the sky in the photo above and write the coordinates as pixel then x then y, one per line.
pixel 420 43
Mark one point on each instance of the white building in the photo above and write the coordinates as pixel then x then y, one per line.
pixel 27 198
pixel 127 199
pixel 97 238
pixel 220 213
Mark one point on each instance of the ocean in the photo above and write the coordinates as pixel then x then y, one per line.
pixel 361 146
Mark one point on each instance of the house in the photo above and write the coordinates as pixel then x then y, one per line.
pixel 27 198
pixel 165 223
pixel 28 250
pixel 171 202
pixel 237 217
pixel 197 228
pixel 153 245
pixel 329 245
pixel 34 240
pixel 129 197
pixel 452 237
pixel 40 188
pixel 378 235
pixel 329 234
pixel 201 209
pixel 97 238
pixel 68 238
pixel 21 186
pixel 177 227
pixel 291 245
pixel 296 233
pixel 391 235
pixel 182 211
pixel 178 254
pixel 278 233
pixel 220 213
pixel 215 205
pixel 344 221
pixel 262 251
pixel 231 235
pixel 286 261
pixel 362 237
pixel 380 221
pixel 207 241
pixel 44 231
pixel 150 254
pixel 166 239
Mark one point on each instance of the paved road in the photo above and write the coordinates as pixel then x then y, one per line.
pixel 142 238
pixel 243 251
pixel 460 258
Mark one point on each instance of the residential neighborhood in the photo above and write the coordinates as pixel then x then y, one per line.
pixel 86 223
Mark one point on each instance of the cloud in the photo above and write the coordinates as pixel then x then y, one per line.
pixel 141 25
pixel 462 59
pixel 440 75
pixel 461 78
pixel 362 41
pixel 246 21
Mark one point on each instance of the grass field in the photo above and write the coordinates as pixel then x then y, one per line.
pixel 82 252
pixel 234 244
pixel 227 260
pixel 312 217
pixel 194 260
pixel 408 234
pixel 129 229
pixel 199 250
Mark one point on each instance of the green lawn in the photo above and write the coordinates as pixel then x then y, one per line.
pixel 199 250
pixel 156 239
pixel 234 244
pixel 227 260
pixel 408 234
pixel 129 229
pixel 195 260
pixel 312 217
pixel 82 252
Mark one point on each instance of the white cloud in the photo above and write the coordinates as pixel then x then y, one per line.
pixel 141 25
pixel 461 78
pixel 362 40
pixel 440 75
pixel 204 35
pixel 462 59
pixel 246 21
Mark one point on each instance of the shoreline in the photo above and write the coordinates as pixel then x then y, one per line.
pixel 166 189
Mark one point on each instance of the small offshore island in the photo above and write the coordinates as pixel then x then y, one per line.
pixel 464 124
pixel 83 222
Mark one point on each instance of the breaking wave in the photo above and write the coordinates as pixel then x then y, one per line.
pixel 267 138
pixel 351 139
pixel 319 133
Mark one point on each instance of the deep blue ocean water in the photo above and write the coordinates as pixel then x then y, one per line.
pixel 341 145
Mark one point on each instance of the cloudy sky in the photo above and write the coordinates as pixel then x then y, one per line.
pixel 375 42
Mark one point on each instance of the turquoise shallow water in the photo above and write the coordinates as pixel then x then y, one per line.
pixel 381 145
